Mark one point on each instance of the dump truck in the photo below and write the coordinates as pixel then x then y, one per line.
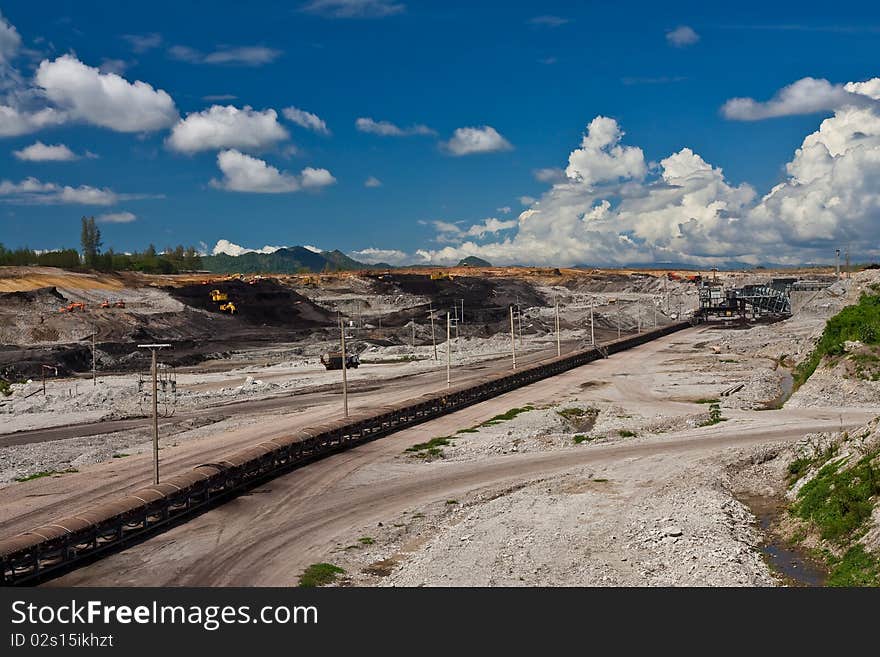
pixel 333 360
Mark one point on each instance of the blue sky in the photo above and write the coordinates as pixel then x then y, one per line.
pixel 537 73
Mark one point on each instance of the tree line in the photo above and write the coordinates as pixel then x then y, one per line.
pixel 170 261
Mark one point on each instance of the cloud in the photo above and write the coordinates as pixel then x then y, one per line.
pixel 143 42
pixel 372 256
pixel 601 158
pixel 220 127
pixel 219 97
pixel 243 173
pixel 504 210
pixel 484 139
pixel 306 120
pixel 40 152
pixel 548 60
pixel 10 40
pixel 682 36
pixel 116 218
pixel 527 200
pixel 548 21
pixel 15 122
pixel 353 8
pixel 104 99
pixel 228 55
pixel 388 129
pixel 229 248
pixel 805 96
pixel 613 210
pixel 549 174
pixel 31 191
pixel 451 232
pixel 372 181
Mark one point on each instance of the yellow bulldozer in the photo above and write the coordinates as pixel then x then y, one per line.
pixel 217 295
pixel 441 276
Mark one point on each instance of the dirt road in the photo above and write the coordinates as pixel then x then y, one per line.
pixel 270 535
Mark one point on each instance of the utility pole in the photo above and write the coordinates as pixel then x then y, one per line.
pixel 448 351
pixel 847 271
pixel 558 344
pixel 617 303
pixel 433 337
pixel 512 338
pixel 837 252
pixel 592 330
pixel 462 311
pixel 43 369
pixel 344 368
pixel 153 369
pixel 519 319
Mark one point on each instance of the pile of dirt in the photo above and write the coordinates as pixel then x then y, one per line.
pixel 263 302
pixel 486 300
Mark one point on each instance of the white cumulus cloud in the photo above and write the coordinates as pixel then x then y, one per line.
pixel 40 152
pixel 805 96
pixel 231 55
pixel 10 40
pixel 226 126
pixel 373 255
pixel 104 99
pixel 372 181
pixel 31 191
pixel 306 120
pixel 471 140
pixel 15 122
pixel 230 248
pixel 244 173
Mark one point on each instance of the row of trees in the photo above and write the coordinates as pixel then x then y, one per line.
pixel 170 261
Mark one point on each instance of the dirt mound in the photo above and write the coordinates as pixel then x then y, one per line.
pixel 46 295
pixel 264 302
pixel 486 300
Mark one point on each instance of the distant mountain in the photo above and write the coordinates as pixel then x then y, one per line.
pixel 473 261
pixel 289 260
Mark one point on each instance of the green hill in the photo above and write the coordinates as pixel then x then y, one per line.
pixel 473 261
pixel 289 260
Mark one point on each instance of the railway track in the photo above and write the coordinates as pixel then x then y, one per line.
pixel 57 547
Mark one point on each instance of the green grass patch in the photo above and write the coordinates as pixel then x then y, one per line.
pixel 509 415
pixel 5 388
pixel 856 567
pixel 838 501
pixel 800 466
pixel 432 445
pixel 706 400
pixel 572 413
pixel 451 502
pixel 45 473
pixel 626 433
pixel 471 430
pixel 320 574
pixel 366 540
pixel 120 455
pixel 583 438
pixel 859 322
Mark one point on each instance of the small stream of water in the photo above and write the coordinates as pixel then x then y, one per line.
pixel 790 561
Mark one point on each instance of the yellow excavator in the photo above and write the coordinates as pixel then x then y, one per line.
pixel 228 307
pixel 217 295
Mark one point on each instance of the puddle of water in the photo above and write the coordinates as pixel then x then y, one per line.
pixel 796 567
pixel 787 384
